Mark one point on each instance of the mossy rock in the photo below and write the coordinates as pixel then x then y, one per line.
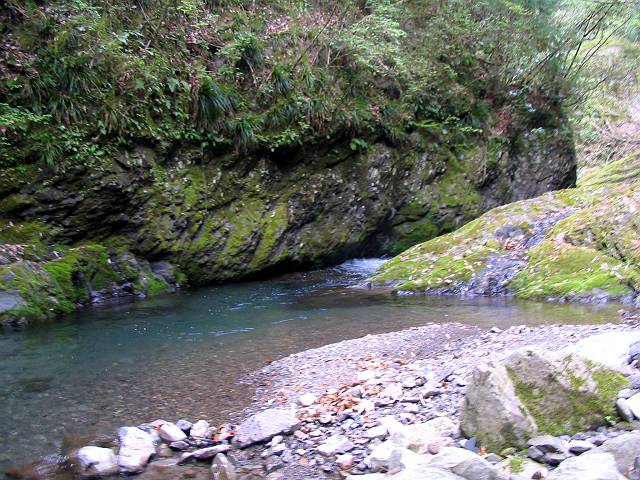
pixel 60 281
pixel 577 244
pixel 534 392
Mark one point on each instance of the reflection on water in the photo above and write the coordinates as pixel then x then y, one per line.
pixel 183 355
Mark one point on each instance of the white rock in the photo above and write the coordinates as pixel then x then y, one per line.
pixel 390 423
pixel 204 453
pixel 345 461
pixel 409 382
pixel 170 432
pixel 365 406
pixel 307 399
pixel 466 464
pixel 578 447
pixel 97 462
pixel 625 449
pixel 610 348
pixel 366 375
pixel 376 432
pixel 222 469
pixel 392 391
pixel 590 466
pixel 265 425
pixel 200 429
pixel 633 404
pixel 493 411
pixel 370 476
pixel 494 414
pixel 389 456
pixel 425 473
pixel 334 445
pixel 136 448
pixel 418 436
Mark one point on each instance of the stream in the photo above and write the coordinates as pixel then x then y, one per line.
pixel 189 355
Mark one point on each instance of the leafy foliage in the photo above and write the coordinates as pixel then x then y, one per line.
pixel 84 77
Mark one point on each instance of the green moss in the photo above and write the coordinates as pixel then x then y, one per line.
pixel 272 226
pixel 410 234
pixel 569 271
pixel 56 286
pixel 581 411
pixel 516 465
pixel 28 232
pixel 155 285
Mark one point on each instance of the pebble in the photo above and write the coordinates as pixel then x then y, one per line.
pixel 184 425
pixel 180 446
pixel 579 446
pixel 307 399
pixel 377 432
pixel 345 461
pixel 170 433
pixel 199 429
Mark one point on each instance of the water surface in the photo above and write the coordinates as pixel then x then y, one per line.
pixel 186 355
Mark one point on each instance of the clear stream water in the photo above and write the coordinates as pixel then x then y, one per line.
pixel 186 355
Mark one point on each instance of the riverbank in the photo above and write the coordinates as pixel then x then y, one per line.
pixel 346 390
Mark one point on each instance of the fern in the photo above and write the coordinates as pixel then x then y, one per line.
pixel 212 103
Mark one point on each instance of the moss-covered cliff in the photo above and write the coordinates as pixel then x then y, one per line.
pixel 579 244
pixel 148 144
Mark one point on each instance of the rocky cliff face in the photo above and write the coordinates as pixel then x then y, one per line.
pixel 223 218
pixel 579 244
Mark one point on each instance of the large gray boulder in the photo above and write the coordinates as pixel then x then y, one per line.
pixel 600 466
pixel 136 448
pixel 493 412
pixel 534 391
pixel 625 449
pixel 265 425
pixel 96 462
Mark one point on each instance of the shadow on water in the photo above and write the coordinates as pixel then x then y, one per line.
pixel 185 355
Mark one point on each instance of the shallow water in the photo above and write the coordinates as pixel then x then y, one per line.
pixel 185 355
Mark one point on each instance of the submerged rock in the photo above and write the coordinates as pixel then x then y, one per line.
pixel 136 448
pixel 265 425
